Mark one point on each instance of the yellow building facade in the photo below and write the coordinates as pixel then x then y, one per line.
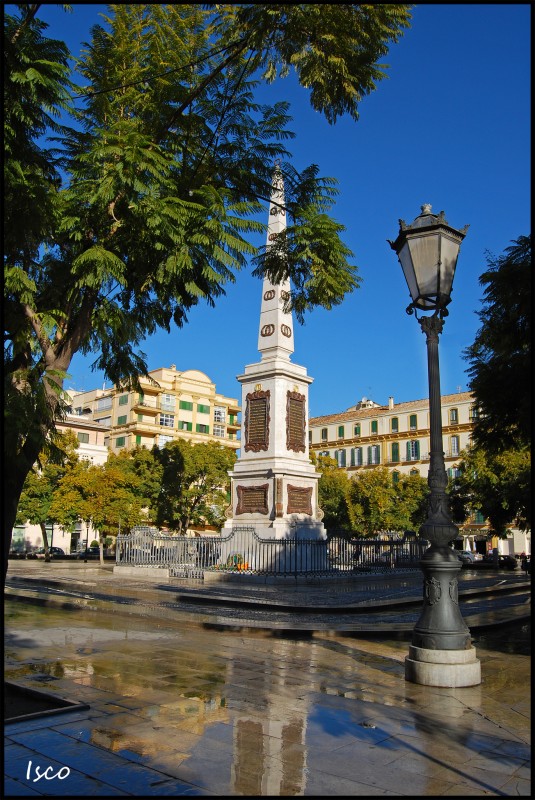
pixel 172 404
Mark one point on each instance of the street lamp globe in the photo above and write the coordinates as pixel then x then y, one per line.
pixel 428 250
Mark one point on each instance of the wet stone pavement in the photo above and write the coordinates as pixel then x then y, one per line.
pixel 178 706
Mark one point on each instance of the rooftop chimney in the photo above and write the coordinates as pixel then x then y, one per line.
pixel 390 402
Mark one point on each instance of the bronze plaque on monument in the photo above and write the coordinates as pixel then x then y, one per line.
pixel 295 422
pixel 252 499
pixel 257 421
pixel 299 500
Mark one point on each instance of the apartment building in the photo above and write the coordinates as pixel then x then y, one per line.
pixel 396 435
pixel 171 405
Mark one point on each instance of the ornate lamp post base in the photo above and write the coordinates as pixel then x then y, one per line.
pixel 441 653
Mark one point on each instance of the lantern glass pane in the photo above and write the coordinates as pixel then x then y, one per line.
pixel 404 256
pixel 450 252
pixel 425 257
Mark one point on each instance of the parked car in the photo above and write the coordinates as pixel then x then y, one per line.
pixel 467 557
pixel 90 552
pixel 504 562
pixel 41 552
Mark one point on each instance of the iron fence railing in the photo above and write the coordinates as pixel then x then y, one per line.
pixel 243 550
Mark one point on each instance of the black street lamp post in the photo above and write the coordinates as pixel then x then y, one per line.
pixel 441 653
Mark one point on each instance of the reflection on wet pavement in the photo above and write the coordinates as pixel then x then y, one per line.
pixel 234 713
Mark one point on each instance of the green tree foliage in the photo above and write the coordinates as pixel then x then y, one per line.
pixel 376 504
pixel 496 471
pixel 333 487
pixel 41 483
pixel 104 496
pixel 168 161
pixel 497 485
pixel 501 373
pixel 194 484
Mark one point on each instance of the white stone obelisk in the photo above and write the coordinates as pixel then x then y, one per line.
pixel 274 483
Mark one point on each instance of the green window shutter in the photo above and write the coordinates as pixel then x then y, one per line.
pixel 417 449
pixel 121 420
pixel 356 431
pixel 342 458
pixel 138 439
pixel 119 442
pixel 413 422
pixel 374 426
pixel 369 455
pixel 186 405
pixel 395 451
pixel 394 424
pixel 395 477
pixel 140 417
pixel 340 431
pixel 83 438
pixel 123 399
pixel 359 456
pixel 203 409
pixel 408 451
pixel 140 397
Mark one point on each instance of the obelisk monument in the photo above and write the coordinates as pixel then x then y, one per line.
pixel 274 485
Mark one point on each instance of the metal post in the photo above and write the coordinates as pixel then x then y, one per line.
pixel 440 626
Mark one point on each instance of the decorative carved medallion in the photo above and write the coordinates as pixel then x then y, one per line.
pixel 286 330
pixel 267 330
pixel 295 422
pixel 257 421
pixel 269 295
pixel 432 590
pixel 299 500
pixel 252 499
pixel 454 591
pixel 285 295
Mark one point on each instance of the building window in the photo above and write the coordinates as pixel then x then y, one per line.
pixel 356 456
pixel 373 426
pixel 220 413
pixel 414 472
pixel 121 420
pixel 104 421
pixel 184 426
pixel 340 431
pixel 138 439
pixel 340 456
pixel 395 477
pixel 163 440
pixel 203 409
pixel 324 434
pixel 479 519
pixel 374 454
pixel 168 402
pixel 395 451
pixel 167 420
pixel 140 417
pixel 103 403
pixel 186 405
pixel 202 428
pixel 474 412
pixel 454 472
pixel 413 450
pixel 413 422
pixel 123 399
pixel 219 430
pixel 356 429
pixel 119 442
pixel 83 438
pixel 232 419
pixel 394 424
pixel 455 445
pixel 454 416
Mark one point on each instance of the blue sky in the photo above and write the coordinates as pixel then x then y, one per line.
pixel 450 126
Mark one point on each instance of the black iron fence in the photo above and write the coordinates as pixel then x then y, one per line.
pixel 243 550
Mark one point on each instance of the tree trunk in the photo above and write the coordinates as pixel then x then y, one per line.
pixel 42 525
